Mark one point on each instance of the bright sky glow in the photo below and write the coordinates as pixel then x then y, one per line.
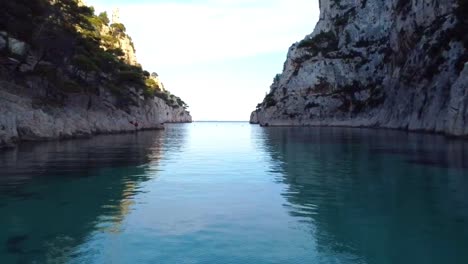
pixel 219 56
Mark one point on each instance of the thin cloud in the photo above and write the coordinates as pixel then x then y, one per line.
pixel 191 33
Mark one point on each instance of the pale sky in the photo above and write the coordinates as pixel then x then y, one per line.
pixel 219 56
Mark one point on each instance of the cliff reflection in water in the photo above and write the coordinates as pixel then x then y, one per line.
pixel 44 217
pixel 235 193
pixel 376 196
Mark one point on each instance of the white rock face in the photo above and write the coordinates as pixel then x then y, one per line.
pixel 23 118
pixel 15 46
pixel 254 117
pixel 126 45
pixel 458 106
pixel 376 63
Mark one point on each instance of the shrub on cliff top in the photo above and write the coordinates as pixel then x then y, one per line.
pixel 324 42
pixel 104 18
pixel 64 34
pixel 118 28
pixel 152 84
pixel 130 77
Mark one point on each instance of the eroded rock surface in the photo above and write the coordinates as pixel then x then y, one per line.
pixel 25 118
pixel 377 63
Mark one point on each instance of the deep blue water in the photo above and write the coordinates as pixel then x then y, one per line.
pixel 236 193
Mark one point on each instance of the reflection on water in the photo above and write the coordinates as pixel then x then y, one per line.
pixel 55 194
pixel 235 193
pixel 377 196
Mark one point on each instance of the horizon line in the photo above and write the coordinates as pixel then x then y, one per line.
pixel 220 121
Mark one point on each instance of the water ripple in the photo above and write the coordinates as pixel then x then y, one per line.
pixel 234 193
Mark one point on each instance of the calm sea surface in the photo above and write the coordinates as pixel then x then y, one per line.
pixel 236 193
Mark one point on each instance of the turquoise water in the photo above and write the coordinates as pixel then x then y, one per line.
pixel 236 193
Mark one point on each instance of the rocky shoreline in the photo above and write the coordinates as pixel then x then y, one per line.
pixel 23 118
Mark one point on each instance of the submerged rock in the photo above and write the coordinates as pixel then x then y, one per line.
pixel 375 63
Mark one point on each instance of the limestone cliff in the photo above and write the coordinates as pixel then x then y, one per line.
pixel 122 41
pixel 23 117
pixel 65 73
pixel 377 63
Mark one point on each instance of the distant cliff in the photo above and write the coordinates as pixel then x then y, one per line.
pixel 377 63
pixel 66 72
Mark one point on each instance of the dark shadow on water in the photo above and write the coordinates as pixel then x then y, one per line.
pixel 56 194
pixel 14 244
pixel 18 193
pixel 428 150
pixel 376 196
pixel 73 159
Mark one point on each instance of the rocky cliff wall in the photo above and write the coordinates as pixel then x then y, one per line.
pixel 95 85
pixel 377 63
pixel 26 118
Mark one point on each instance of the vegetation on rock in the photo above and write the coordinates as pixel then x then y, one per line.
pixel 76 48
pixel 323 42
